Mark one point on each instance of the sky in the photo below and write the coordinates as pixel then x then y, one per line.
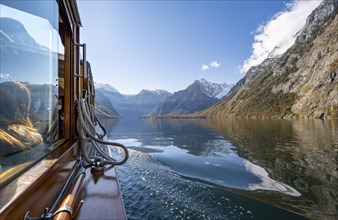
pixel 135 45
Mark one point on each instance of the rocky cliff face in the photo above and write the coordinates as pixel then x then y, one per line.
pixel 316 20
pixel 303 82
pixel 250 75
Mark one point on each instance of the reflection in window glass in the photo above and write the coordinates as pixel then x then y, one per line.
pixel 29 110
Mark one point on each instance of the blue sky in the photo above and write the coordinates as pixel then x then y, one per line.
pixel 134 45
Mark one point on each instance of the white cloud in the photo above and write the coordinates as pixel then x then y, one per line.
pixel 205 67
pixel 279 33
pixel 5 76
pixel 215 64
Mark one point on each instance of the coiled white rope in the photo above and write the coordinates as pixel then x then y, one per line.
pixel 87 133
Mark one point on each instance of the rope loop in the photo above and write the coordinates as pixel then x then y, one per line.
pixel 87 132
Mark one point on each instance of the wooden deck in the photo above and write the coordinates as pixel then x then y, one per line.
pixel 101 195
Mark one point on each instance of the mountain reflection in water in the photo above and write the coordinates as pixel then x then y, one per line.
pixel 290 164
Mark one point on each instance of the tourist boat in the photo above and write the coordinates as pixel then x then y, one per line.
pixel 54 164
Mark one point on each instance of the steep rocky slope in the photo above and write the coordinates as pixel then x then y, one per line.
pixel 103 107
pixel 302 83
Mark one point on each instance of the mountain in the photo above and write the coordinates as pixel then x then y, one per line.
pixel 140 104
pixel 214 90
pixel 198 96
pixel 148 98
pixel 301 83
pixel 103 106
pixel 14 32
pixel 131 106
pixel 22 58
pixel 105 87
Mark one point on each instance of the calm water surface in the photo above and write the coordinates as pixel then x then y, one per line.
pixel 228 169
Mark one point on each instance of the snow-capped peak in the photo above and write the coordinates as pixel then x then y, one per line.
pixel 105 87
pixel 214 90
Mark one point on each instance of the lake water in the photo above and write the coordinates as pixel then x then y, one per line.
pixel 228 169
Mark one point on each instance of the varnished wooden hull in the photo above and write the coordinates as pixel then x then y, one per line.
pixel 40 186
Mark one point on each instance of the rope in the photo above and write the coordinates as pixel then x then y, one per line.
pixel 102 128
pixel 87 132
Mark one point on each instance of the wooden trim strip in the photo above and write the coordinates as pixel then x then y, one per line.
pixel 38 188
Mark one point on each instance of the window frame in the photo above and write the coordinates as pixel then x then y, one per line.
pixel 44 178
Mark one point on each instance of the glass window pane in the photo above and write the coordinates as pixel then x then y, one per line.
pixel 30 48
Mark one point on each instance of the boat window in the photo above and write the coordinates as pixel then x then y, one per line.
pixel 30 108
